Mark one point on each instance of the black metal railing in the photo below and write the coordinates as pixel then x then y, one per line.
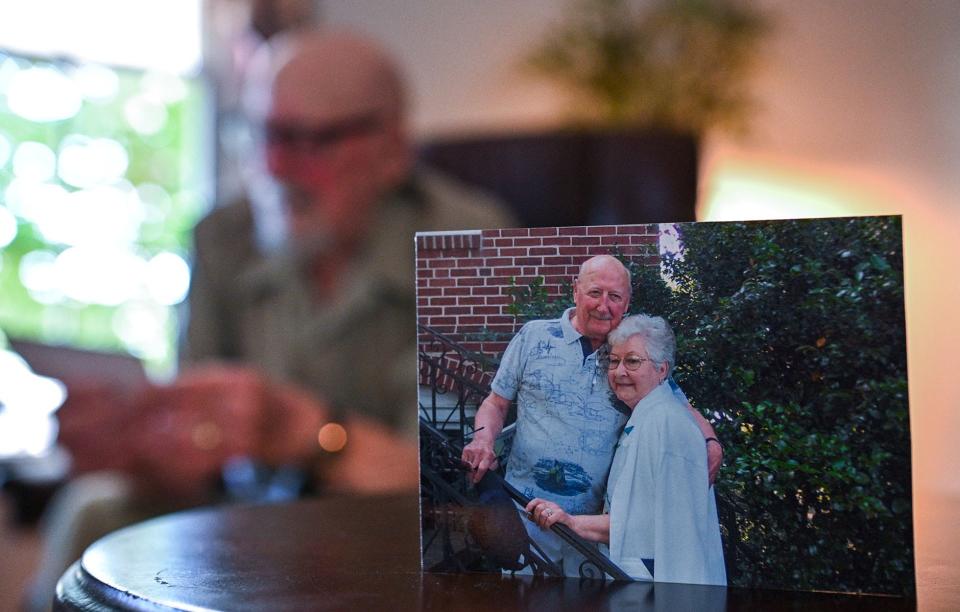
pixel 511 548
pixel 475 528
pixel 457 380
pixel 465 528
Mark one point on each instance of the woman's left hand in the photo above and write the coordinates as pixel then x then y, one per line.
pixel 545 513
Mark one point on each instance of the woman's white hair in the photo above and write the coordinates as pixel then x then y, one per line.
pixel 656 333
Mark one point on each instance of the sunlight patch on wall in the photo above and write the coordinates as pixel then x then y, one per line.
pixel 739 190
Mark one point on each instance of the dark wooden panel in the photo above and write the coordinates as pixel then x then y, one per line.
pixel 578 178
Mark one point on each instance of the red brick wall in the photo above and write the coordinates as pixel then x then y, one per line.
pixel 463 277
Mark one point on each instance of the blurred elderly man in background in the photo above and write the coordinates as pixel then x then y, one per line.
pixel 302 309
pixel 327 298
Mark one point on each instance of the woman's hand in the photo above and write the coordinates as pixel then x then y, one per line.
pixel 593 527
pixel 545 513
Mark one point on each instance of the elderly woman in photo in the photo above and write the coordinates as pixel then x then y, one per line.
pixel 660 519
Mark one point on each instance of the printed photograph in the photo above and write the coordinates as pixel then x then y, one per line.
pixel 698 403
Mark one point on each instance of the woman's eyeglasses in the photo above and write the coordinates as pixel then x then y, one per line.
pixel 631 361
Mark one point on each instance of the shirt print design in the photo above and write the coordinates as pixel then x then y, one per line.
pixel 561 477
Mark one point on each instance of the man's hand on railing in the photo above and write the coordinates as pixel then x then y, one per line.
pixel 480 456
pixel 491 414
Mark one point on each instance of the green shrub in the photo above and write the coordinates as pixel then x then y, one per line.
pixel 791 337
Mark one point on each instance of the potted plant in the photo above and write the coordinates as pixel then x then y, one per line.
pixel 677 65
pixel 645 84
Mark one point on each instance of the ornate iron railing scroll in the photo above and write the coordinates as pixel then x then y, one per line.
pixel 451 371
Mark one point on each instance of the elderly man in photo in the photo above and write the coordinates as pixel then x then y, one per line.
pixel 567 424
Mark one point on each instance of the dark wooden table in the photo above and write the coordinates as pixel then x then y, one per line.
pixel 351 554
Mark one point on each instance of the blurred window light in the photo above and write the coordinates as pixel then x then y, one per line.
pixel 30 201
pixel 168 278
pixel 101 180
pixel 164 88
pixel 43 94
pixel 39 275
pixel 59 325
pixel 24 434
pixel 26 391
pixel 8 227
pixel 96 275
pixel 102 215
pixel 9 66
pixel 145 115
pixel 155 200
pixel 142 326
pixel 160 35
pixel 34 162
pixel 5 149
pixel 85 162
pixel 96 83
pixel 27 404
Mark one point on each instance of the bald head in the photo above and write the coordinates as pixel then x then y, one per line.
pixel 608 263
pixel 332 105
pixel 322 76
pixel 601 294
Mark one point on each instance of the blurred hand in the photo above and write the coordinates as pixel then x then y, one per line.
pixel 175 438
pixel 294 416
pixel 187 430
pixel 375 459
pixel 92 421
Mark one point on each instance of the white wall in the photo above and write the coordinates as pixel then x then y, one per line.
pixel 462 58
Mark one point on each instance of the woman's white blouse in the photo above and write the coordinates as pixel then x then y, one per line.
pixel 663 514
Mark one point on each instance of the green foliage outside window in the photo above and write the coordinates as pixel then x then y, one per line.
pixel 790 339
pixel 153 127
